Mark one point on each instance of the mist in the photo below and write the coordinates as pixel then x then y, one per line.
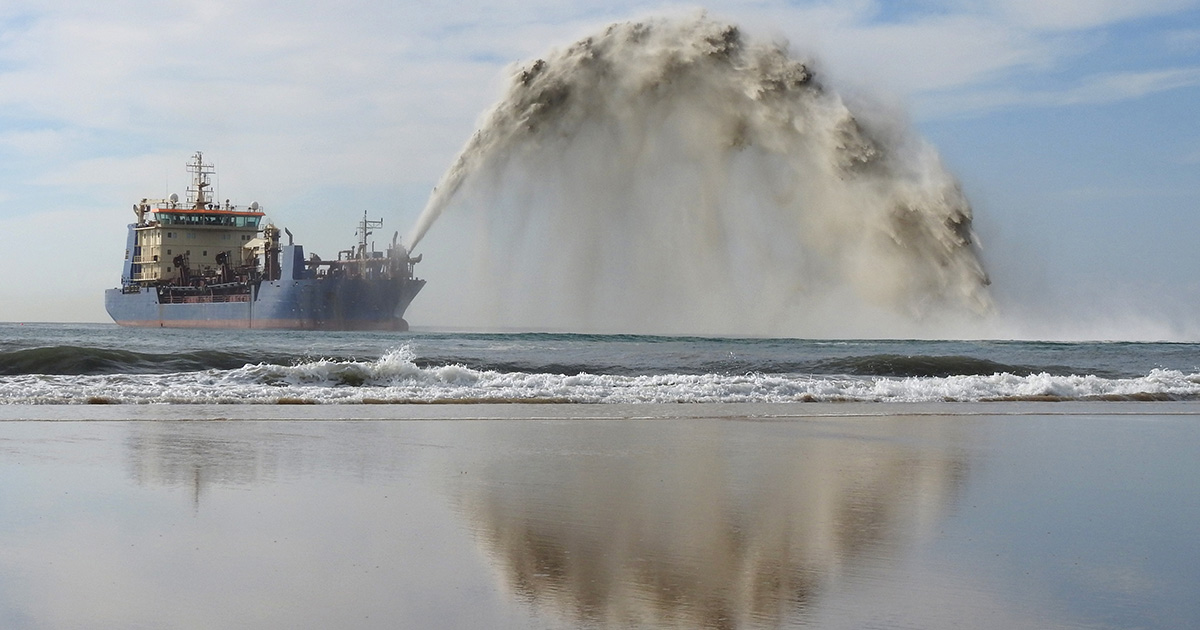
pixel 675 175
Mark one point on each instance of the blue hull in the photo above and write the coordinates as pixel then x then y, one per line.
pixel 350 304
pixel 307 303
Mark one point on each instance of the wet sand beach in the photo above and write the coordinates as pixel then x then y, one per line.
pixel 985 515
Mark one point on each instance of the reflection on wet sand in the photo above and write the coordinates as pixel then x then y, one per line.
pixel 204 455
pixel 169 455
pixel 1067 519
pixel 693 525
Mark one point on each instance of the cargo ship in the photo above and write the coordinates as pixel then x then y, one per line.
pixel 204 264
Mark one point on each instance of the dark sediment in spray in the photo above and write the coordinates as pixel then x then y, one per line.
pixel 672 175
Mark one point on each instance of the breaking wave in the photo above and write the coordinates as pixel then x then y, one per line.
pixel 396 377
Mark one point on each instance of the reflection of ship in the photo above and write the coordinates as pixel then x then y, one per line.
pixel 204 264
pixel 612 529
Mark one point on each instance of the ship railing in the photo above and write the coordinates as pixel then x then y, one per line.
pixel 204 299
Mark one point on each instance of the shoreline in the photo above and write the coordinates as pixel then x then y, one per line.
pixel 582 411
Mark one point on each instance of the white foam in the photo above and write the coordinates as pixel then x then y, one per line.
pixel 396 377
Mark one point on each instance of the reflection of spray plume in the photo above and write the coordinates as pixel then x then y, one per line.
pixel 667 168
pixel 613 531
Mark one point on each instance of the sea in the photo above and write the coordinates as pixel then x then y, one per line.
pixel 209 495
pixel 48 364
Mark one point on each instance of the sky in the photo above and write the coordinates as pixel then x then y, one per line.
pixel 1073 125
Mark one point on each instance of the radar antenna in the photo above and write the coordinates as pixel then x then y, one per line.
pixel 364 230
pixel 197 196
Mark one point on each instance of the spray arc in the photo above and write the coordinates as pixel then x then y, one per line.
pixel 674 170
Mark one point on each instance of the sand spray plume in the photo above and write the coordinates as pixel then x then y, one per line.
pixel 672 175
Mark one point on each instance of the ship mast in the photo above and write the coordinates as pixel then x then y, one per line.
pixel 200 171
pixel 364 228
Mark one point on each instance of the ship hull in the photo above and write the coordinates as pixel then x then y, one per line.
pixel 304 304
pixel 204 264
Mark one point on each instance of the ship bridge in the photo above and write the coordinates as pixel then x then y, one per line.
pixel 207 234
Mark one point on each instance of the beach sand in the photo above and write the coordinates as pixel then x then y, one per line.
pixel 988 515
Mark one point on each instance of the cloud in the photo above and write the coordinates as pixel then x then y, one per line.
pixel 323 71
pixel 1092 90
pixel 1183 41
pixel 1119 86
pixel 1082 14
pixel 938 53
pixel 299 102
pixel 951 56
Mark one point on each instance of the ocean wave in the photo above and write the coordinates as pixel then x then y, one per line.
pixel 398 377
pixel 928 365
pixel 618 356
pixel 83 360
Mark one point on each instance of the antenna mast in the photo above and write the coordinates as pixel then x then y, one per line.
pixel 196 194
pixel 364 231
